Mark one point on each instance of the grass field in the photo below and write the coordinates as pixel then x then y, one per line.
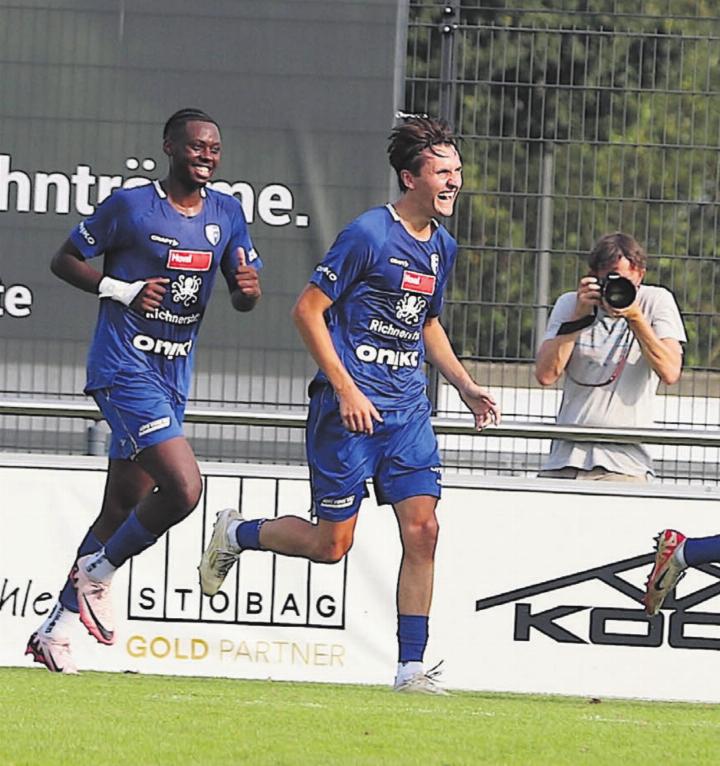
pixel 103 718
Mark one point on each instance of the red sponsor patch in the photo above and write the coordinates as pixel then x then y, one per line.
pixel 414 282
pixel 189 260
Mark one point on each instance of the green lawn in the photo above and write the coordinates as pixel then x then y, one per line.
pixel 104 718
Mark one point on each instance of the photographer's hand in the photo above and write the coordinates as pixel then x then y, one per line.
pixel 664 355
pixel 588 297
pixel 632 313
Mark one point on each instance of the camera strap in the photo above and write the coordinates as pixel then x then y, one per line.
pixel 566 328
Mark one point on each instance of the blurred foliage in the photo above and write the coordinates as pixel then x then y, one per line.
pixel 622 97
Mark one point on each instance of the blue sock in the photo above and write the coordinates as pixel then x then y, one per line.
pixel 702 550
pixel 129 539
pixel 68 595
pixel 412 637
pixel 247 534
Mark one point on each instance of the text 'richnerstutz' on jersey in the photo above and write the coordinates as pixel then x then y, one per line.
pixel 384 284
pixel 142 235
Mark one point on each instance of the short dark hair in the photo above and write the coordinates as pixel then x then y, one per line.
pixel 411 137
pixel 183 116
pixel 608 250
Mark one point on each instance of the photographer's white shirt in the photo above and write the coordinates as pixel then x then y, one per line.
pixel 608 382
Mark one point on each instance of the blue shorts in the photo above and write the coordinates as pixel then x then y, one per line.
pixel 401 457
pixel 141 412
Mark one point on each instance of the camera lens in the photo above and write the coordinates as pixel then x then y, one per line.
pixel 617 291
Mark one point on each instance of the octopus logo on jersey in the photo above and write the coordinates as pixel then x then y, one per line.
pixel 186 289
pixel 212 232
pixel 409 308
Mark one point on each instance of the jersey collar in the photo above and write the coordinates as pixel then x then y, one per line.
pixel 161 192
pixel 391 209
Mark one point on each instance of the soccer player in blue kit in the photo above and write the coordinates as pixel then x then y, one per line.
pixel 163 245
pixel 369 317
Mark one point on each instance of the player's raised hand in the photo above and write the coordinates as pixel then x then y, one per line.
pixel 357 412
pixel 482 404
pixel 246 277
pixel 151 294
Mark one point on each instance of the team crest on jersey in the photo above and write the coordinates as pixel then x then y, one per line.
pixel 185 290
pixel 414 282
pixel 434 262
pixel 212 232
pixel 189 260
pixel 409 308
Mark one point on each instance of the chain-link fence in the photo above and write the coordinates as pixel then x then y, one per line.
pixel 587 117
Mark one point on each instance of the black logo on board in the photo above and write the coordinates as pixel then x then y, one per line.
pixel 685 627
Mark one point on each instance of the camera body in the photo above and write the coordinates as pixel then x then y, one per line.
pixel 617 291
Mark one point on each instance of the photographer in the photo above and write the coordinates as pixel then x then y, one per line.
pixel 614 339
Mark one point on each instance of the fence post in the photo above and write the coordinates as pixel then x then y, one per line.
pixel 545 227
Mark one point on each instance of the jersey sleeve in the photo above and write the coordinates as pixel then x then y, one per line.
pixel 563 311
pixel 438 298
pixel 101 231
pixel 239 237
pixel 345 262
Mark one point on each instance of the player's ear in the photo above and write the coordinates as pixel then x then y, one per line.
pixel 408 179
pixel 167 147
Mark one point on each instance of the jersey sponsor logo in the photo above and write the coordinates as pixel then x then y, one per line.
pixel 153 425
pixel 390 357
pixel 212 233
pixel 162 240
pixel 165 315
pixel 185 289
pixel 388 330
pixel 398 262
pixel 189 260
pixel 414 282
pixel 85 234
pixel 434 262
pixel 328 272
pixel 342 502
pixel 409 308
pixel 168 348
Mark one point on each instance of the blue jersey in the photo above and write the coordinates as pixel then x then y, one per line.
pixel 142 235
pixel 384 284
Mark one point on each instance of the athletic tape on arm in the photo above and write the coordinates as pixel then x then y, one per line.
pixel 117 290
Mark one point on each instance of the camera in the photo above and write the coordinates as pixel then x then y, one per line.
pixel 617 291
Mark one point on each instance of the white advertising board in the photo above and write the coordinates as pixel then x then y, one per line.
pixel 538 586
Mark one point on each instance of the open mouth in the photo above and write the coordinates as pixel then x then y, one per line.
pixel 202 170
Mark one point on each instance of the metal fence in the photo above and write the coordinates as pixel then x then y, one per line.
pixel 575 120
pixel 587 117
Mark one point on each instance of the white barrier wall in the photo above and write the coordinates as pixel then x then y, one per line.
pixel 537 588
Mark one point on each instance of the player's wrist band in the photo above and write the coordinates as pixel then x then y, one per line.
pixel 117 290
